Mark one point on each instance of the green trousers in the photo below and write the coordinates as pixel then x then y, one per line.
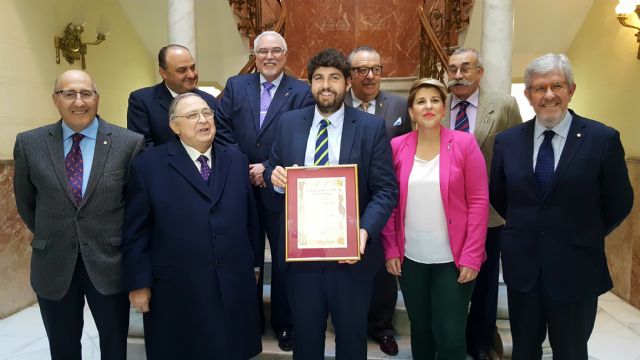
pixel 437 306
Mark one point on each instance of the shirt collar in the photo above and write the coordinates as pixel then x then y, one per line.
pixel 474 99
pixel 275 82
pixel 173 93
pixel 90 131
pixel 195 154
pixel 356 102
pixel 336 119
pixel 561 129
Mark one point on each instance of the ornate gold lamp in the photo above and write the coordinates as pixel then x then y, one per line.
pixel 71 45
pixel 625 10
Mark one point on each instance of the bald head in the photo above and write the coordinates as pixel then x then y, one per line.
pixel 71 74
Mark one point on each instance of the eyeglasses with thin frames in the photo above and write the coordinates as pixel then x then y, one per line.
pixel 540 90
pixel 195 115
pixel 73 95
pixel 274 52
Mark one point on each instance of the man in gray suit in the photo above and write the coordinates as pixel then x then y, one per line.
pixel 69 188
pixel 484 114
pixel 365 95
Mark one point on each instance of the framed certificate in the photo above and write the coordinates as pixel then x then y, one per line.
pixel 321 214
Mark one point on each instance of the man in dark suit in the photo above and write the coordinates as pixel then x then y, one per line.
pixel 250 107
pixel 484 114
pixel 365 95
pixel 343 290
pixel 69 187
pixel 148 109
pixel 189 243
pixel 561 183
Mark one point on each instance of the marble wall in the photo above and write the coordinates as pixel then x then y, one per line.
pixel 15 252
pixel 623 246
pixel 389 26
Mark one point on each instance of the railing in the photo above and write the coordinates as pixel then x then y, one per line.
pixel 250 23
pixel 439 29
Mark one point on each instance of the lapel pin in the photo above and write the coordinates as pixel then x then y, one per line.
pixel 286 94
pixel 578 135
pixel 105 142
pixel 448 146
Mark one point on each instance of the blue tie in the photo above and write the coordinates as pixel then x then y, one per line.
pixel 462 120
pixel 321 156
pixel 545 163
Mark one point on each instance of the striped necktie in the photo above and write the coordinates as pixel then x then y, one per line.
pixel 462 121
pixel 321 156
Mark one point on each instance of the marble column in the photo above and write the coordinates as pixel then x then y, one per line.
pixel 497 44
pixel 182 24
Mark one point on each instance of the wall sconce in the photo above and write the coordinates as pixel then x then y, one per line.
pixel 626 8
pixel 72 46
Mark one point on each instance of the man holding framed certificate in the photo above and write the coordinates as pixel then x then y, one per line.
pixel 331 134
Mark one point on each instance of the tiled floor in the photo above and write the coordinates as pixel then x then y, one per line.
pixel 616 335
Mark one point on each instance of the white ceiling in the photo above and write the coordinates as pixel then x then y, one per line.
pixel 540 26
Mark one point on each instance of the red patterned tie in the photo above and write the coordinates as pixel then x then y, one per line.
pixel 462 121
pixel 73 163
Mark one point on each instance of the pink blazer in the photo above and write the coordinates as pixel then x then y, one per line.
pixel 465 196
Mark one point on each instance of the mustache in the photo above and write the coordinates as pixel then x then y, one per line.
pixel 459 82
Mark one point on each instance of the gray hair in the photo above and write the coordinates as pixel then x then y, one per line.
pixel 176 100
pixel 362 48
pixel 269 33
pixel 547 63
pixel 474 51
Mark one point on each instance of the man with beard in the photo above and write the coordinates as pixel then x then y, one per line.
pixel 148 110
pixel 484 114
pixel 250 106
pixel 365 95
pixel 347 136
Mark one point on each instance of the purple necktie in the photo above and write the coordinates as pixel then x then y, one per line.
pixel 73 163
pixel 462 121
pixel 265 100
pixel 205 170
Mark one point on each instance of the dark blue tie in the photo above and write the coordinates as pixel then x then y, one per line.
pixel 545 163
pixel 321 155
pixel 462 120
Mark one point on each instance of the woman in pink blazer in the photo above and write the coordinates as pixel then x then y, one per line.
pixel 434 240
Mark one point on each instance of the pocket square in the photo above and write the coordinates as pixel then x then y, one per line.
pixel 398 122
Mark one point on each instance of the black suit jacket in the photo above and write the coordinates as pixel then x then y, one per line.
pixel 559 237
pixel 148 114
pixel 365 143
pixel 239 111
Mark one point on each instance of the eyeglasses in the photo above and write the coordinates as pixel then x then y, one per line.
pixel 364 71
pixel 195 115
pixel 73 95
pixel 556 88
pixel 274 52
pixel 464 69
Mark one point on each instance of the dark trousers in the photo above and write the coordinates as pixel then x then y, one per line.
pixel 534 312
pixel 437 307
pixel 280 312
pixel 383 304
pixel 63 319
pixel 481 323
pixel 315 292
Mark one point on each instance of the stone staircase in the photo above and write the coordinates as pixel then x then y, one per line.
pixel 270 348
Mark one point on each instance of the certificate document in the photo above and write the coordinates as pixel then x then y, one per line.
pixel 322 213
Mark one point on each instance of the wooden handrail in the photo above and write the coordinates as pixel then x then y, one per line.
pixel 435 42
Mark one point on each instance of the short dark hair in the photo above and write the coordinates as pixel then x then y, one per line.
pixel 162 54
pixel 329 58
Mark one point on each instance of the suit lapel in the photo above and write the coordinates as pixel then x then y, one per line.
pixel 219 172
pixel 279 98
pixel 179 159
pixel 253 95
pixel 571 147
pixel 348 134
pixel 56 155
pixel 299 144
pixel 101 151
pixel 446 156
pixel 447 114
pixel 484 118
pixel 526 152
pixel 164 96
pixel 381 109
